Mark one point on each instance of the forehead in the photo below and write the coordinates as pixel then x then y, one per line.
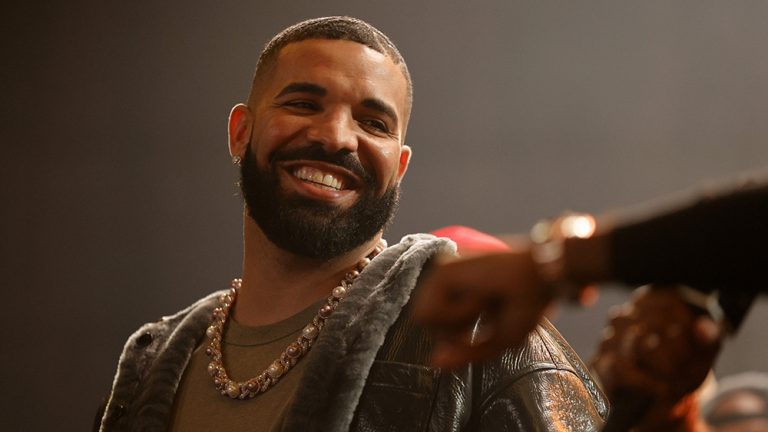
pixel 340 66
pixel 741 401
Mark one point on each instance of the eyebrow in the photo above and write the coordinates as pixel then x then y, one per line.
pixel 302 87
pixel 381 106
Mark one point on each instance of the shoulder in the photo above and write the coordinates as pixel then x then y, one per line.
pixel 421 245
pixel 159 330
pixel 169 340
pixel 152 338
pixel 546 375
pixel 401 264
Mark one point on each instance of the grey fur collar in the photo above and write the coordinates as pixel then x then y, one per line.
pixel 148 377
pixel 343 354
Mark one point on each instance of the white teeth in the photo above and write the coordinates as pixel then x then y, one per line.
pixel 316 176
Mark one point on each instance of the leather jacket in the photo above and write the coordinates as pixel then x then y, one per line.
pixel 539 386
pixel 369 368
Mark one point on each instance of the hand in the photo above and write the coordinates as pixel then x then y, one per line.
pixel 659 346
pixel 504 287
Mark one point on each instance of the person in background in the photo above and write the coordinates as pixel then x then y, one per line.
pixel 654 355
pixel 740 404
pixel 712 240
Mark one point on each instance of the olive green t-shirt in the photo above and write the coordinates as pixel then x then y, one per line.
pixel 247 352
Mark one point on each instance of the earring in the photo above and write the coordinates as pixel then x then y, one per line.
pixel 237 160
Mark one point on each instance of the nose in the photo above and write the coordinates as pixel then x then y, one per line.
pixel 334 130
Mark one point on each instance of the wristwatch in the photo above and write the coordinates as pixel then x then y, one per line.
pixel 548 239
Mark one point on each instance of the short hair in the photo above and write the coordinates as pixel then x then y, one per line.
pixel 332 28
pixel 755 383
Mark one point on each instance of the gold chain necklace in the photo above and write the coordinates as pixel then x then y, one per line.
pixel 292 353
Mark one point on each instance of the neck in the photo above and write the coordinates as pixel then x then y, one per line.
pixel 278 284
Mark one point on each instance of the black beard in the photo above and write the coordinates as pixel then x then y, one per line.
pixel 311 228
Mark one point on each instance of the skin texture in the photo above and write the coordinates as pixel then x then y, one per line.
pixel 506 289
pixel 456 291
pixel 659 346
pixel 345 98
pixel 350 74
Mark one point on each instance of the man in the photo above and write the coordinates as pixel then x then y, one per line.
pixel 317 335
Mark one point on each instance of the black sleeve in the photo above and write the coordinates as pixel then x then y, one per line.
pixel 717 242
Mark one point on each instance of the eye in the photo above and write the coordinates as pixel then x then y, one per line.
pixel 301 105
pixel 376 124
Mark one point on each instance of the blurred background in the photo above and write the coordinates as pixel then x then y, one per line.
pixel 118 201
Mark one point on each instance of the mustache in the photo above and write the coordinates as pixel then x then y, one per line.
pixel 344 160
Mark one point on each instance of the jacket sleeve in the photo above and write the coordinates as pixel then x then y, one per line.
pixel 711 242
pixel 540 386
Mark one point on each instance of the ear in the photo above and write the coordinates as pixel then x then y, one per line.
pixel 240 125
pixel 405 159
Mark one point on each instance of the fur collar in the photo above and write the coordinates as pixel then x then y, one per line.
pixel 328 395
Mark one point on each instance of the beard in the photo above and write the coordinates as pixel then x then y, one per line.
pixel 312 228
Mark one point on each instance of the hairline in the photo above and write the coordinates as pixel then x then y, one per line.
pixel 267 67
pixel 350 29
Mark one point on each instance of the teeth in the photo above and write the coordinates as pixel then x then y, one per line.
pixel 316 176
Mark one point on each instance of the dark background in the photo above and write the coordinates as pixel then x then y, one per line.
pixel 118 204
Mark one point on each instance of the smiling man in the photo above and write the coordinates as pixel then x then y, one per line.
pixel 317 335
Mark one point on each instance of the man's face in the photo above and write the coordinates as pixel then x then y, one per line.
pixel 321 175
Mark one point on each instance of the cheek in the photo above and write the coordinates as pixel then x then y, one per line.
pixel 387 165
pixel 274 134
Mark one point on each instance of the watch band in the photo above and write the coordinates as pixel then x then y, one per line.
pixel 548 250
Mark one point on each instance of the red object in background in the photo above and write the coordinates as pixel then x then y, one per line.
pixel 471 240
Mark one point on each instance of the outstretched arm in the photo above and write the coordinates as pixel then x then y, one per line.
pixel 712 242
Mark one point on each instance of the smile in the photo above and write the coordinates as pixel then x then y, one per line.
pixel 319 178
